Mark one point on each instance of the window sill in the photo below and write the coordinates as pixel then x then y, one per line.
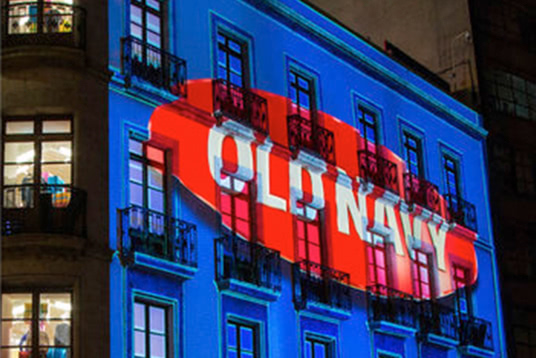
pixel 249 290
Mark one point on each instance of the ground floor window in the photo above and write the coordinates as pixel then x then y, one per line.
pixel 241 340
pixel 36 321
pixel 151 330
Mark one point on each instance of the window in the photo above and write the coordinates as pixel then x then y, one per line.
pixel 147 173
pixel 413 154
pixel 36 152
pixel 463 291
pixel 302 95
pixel 146 26
pixel 241 340
pixel 235 205
pixel 367 126
pixel 525 173
pixel 150 330
pixel 376 261
pixel 315 348
pixel 36 321
pixel 232 60
pixel 422 277
pixel 450 172
pixel 308 233
pixel 40 16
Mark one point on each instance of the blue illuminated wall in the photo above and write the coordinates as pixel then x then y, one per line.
pixel 348 72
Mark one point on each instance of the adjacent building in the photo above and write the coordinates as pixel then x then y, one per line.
pixel 234 179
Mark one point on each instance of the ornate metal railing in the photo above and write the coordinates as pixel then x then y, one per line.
pixel 240 104
pixel 37 208
pixel 476 332
pixel 321 284
pixel 304 134
pixel 152 233
pixel 387 304
pixel 249 262
pixel 422 192
pixel 439 319
pixel 43 23
pixel 461 211
pixel 152 65
pixel 378 170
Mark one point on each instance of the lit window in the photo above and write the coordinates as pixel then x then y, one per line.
pixel 235 205
pixel 308 233
pixel 150 330
pixel 232 60
pixel 146 27
pixel 316 348
pixel 39 16
pixel 302 95
pixel 376 261
pixel 422 275
pixel 241 340
pixel 42 314
pixel 413 154
pixel 36 152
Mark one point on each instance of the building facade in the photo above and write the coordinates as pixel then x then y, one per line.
pixel 256 181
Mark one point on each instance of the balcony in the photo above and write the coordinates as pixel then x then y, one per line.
pixel 378 170
pixel 43 23
pixel 240 262
pixel 476 332
pixel 303 134
pixel 391 310
pixel 240 104
pixel 153 66
pixel 461 212
pixel 43 209
pixel 321 289
pixel 421 192
pixel 439 323
pixel 160 239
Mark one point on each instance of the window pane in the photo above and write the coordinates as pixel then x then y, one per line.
pixel 16 305
pixel 231 335
pixel 156 200
pixel 139 316
pixel 19 152
pixel 158 346
pixel 18 174
pixel 57 333
pixel 155 155
pixel 56 127
pixel 136 194
pixel 56 174
pixel 135 171
pixel 56 151
pixel 158 319
pixel 139 344
pixel 135 15
pixel 55 305
pixel 155 178
pixel 135 146
pixel 153 23
pixel 20 127
pixel 155 4
pixel 320 350
pixel 16 333
pixel 246 338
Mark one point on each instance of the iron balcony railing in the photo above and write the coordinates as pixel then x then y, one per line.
pixel 158 235
pixel 303 133
pixel 321 284
pixel 43 23
pixel 476 332
pixel 152 65
pixel 439 319
pixel 422 192
pixel 38 208
pixel 378 170
pixel 390 305
pixel 461 211
pixel 240 104
pixel 241 260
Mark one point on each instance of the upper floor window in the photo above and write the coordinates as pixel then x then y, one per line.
pixel 316 348
pixel 451 175
pixel 302 94
pixel 146 25
pixel 308 233
pixel 462 287
pixel 377 261
pixel 232 60
pixel 422 277
pixel 235 205
pixel 413 154
pixel 147 173
pixel 40 16
pixel 36 321
pixel 151 330
pixel 241 340
pixel 37 151
pixel 367 125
